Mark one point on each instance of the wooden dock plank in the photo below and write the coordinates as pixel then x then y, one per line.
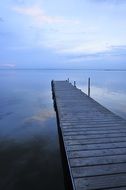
pixel 94 153
pixel 91 161
pixel 93 136
pixel 98 170
pixel 100 182
pixel 94 140
pixel 92 129
pixel 93 133
pixel 96 146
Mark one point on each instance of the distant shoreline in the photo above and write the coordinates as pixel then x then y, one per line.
pixel 10 69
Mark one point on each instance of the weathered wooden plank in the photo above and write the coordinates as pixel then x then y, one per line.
pixel 100 182
pixel 97 121
pixel 96 146
pixel 94 153
pixel 89 125
pixel 94 116
pixel 67 133
pixel 95 141
pixel 99 170
pixel 101 119
pixel 93 129
pixel 93 136
pixel 118 188
pixel 90 161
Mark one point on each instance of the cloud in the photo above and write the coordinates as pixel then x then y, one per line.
pixel 91 48
pixel 9 65
pixel 42 116
pixel 117 52
pixel 41 17
pixel 92 38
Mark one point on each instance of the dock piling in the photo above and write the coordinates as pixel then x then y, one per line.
pixel 89 83
pixel 74 83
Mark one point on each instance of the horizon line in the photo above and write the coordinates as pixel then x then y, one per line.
pixel 105 69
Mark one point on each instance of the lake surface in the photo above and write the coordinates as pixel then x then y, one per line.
pixel 29 145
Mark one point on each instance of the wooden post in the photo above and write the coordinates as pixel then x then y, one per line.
pixel 74 83
pixel 89 86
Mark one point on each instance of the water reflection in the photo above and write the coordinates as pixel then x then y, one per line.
pixel 30 157
pixel 115 101
pixel 108 88
pixel 42 116
pixel 109 97
pixel 29 147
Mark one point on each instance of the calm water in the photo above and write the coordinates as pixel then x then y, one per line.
pixel 29 147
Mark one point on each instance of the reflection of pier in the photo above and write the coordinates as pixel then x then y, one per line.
pixel 94 140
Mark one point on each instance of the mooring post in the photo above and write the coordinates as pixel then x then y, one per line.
pixel 74 83
pixel 89 86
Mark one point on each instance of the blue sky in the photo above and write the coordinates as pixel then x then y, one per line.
pixel 63 34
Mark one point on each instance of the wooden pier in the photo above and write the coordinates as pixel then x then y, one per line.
pixel 94 140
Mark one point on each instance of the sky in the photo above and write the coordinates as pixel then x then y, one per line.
pixel 86 34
